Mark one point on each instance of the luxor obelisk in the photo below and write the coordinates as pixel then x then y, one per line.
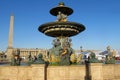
pixel 10 38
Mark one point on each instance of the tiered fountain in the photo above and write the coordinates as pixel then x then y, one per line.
pixel 62 30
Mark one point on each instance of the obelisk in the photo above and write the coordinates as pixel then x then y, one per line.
pixel 10 38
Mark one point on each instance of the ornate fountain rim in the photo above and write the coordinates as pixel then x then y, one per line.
pixel 68 28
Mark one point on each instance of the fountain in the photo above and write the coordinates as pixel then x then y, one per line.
pixel 61 30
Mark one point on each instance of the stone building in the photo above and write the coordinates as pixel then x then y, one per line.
pixel 24 52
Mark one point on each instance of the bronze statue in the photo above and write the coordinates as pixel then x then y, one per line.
pixel 39 60
pixel 92 58
pixel 110 58
pixel 61 17
pixel 15 60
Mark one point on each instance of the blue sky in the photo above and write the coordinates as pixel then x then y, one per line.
pixel 101 18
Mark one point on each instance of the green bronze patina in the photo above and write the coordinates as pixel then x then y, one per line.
pixel 39 60
pixel 62 30
pixel 92 58
pixel 110 58
pixel 60 54
pixel 15 60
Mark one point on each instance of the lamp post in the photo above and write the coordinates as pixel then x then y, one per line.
pixel 81 49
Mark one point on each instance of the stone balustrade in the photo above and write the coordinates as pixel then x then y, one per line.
pixel 94 71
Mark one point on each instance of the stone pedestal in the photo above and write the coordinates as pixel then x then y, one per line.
pixel 9 53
